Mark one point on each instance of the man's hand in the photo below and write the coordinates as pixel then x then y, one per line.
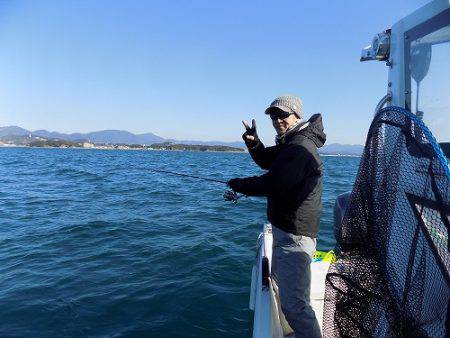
pixel 234 184
pixel 250 136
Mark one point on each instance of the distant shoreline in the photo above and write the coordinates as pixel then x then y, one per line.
pixel 340 155
pixel 169 150
pixel 128 149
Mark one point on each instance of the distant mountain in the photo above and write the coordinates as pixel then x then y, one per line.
pixel 111 137
pixel 48 134
pixel 21 140
pixel 104 136
pixel 342 149
pixel 235 144
pixel 13 130
pixel 125 137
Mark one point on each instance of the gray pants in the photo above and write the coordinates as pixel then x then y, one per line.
pixel 291 270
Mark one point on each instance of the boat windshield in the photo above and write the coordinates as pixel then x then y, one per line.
pixel 427 51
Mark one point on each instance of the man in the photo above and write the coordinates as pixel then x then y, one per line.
pixel 293 187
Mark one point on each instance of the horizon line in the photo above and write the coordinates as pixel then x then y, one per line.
pixel 149 132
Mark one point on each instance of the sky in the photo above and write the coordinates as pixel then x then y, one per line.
pixel 190 69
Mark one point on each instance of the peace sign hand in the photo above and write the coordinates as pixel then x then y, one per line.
pixel 250 136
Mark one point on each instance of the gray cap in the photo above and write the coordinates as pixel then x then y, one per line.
pixel 287 103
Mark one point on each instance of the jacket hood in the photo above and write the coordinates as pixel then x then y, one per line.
pixel 313 131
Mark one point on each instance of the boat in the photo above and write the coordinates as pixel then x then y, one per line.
pixel 268 319
pixel 406 160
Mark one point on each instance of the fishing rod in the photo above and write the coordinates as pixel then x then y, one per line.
pixel 229 195
pixel 191 176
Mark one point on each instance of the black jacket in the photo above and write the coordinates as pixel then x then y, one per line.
pixel 293 183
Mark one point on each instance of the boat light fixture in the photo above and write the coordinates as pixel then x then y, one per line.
pixel 379 49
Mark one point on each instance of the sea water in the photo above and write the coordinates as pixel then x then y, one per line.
pixel 93 243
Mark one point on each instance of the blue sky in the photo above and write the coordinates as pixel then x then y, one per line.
pixel 190 69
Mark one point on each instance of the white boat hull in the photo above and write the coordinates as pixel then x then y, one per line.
pixel 268 318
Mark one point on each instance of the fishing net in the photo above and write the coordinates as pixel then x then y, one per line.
pixel 392 274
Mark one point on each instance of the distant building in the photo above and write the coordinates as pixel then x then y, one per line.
pixel 88 145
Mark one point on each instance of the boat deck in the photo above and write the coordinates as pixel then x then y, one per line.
pixel 268 321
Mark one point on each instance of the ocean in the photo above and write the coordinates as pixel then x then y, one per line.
pixel 93 243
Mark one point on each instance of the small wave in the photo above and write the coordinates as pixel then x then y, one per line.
pixel 79 173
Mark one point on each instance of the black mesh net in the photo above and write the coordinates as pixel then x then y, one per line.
pixel 391 278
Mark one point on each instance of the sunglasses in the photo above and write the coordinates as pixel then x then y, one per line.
pixel 280 115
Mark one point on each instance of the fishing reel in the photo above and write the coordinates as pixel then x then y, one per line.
pixel 231 195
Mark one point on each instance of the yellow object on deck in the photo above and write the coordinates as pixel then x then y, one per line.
pixel 326 256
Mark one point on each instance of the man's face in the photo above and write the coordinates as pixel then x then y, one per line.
pixel 281 124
